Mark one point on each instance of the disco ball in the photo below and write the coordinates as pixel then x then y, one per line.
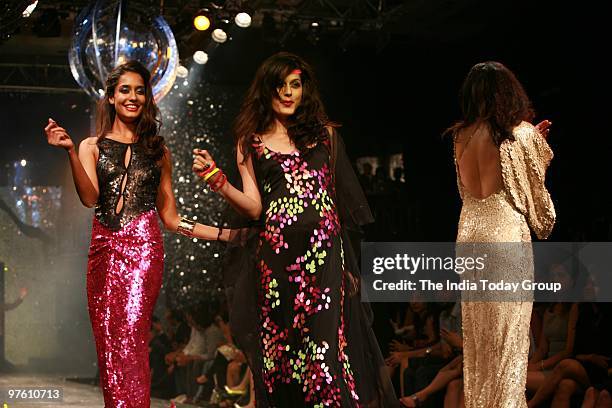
pixel 108 33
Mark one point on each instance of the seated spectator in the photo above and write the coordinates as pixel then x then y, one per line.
pixel 556 343
pixel 589 364
pixel 225 369
pixel 177 329
pixel 448 373
pixel 434 367
pixel 187 363
pixel 162 383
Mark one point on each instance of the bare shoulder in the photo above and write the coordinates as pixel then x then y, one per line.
pixel 463 135
pixel 460 140
pixel 460 136
pixel 166 159
pixel 240 148
pixel 244 158
pixel 89 143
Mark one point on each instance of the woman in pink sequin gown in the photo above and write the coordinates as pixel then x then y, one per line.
pixel 125 172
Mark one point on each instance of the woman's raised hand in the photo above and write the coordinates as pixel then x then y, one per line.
pixel 57 136
pixel 544 127
pixel 202 161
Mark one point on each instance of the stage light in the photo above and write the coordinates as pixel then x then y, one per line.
pixel 200 57
pixel 182 72
pixel 243 20
pixel 201 22
pixel 218 35
pixel 23 162
pixel 314 33
pixel 28 11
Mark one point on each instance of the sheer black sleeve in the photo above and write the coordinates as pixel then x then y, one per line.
pixel 353 208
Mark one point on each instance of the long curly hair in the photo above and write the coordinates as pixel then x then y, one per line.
pixel 306 126
pixel 491 94
pixel 149 122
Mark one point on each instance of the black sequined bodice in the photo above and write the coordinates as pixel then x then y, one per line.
pixel 126 191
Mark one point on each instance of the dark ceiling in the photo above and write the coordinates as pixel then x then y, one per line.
pixel 34 50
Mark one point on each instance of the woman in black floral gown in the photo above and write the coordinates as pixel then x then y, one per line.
pixel 296 309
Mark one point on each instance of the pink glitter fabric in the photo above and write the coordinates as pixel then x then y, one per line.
pixel 124 277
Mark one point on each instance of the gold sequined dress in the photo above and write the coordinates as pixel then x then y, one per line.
pixel 496 333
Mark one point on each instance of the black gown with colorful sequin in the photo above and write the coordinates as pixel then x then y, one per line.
pixel 296 309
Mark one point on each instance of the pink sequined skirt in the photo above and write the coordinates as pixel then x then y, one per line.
pixel 124 276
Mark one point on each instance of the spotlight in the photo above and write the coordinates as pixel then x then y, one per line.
pixel 314 32
pixel 200 57
pixel 243 20
pixel 182 71
pixel 28 11
pixel 201 22
pixel 218 35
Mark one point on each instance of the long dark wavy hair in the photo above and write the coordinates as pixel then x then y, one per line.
pixel 306 126
pixel 492 95
pixel 149 122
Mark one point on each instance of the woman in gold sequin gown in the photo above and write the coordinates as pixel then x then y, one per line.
pixel 500 160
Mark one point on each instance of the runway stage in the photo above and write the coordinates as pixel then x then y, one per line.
pixel 75 395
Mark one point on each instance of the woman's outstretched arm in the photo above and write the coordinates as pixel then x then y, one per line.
pixel 166 206
pixel 248 201
pixel 82 164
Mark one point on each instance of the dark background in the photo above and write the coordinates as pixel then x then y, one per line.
pixel 395 90
pixel 392 87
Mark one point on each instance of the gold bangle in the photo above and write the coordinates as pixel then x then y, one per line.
pixel 209 175
pixel 186 227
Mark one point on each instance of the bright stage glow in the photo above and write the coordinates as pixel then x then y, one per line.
pixel 200 57
pixel 201 23
pixel 243 20
pixel 23 162
pixel 218 35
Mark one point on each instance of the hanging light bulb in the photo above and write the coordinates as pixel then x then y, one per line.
pixel 243 20
pixel 201 22
pixel 200 57
pixel 218 35
pixel 182 72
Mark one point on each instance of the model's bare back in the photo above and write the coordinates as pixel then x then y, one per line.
pixel 478 162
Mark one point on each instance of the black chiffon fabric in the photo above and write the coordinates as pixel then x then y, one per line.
pixel 292 280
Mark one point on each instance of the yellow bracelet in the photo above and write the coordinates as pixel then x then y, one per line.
pixel 209 175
